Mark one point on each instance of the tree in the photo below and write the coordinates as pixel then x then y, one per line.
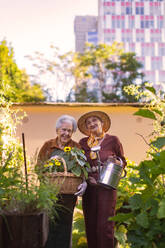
pixel 107 65
pixel 83 95
pixel 99 74
pixel 54 73
pixel 14 83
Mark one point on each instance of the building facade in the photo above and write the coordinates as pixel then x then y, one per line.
pixel 85 29
pixel 140 26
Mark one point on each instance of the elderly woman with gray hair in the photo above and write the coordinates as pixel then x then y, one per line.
pixel 60 231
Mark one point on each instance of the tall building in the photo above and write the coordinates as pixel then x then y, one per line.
pixel 140 26
pixel 85 28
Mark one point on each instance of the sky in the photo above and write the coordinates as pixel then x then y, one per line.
pixel 34 25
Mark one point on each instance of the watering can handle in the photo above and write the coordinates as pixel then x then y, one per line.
pixel 121 162
pixel 125 173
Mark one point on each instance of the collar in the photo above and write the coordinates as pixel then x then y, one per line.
pixel 55 145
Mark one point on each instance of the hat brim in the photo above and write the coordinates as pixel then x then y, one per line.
pixel 101 115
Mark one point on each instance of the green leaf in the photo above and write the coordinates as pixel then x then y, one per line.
pixel 121 217
pixel 142 219
pixel 120 235
pixel 145 113
pixel 76 171
pixel 151 89
pixel 135 202
pixel 161 210
pixel 158 112
pixel 80 162
pixel 70 165
pixel 85 172
pixel 87 165
pixel 144 171
pixel 79 152
pixel 159 142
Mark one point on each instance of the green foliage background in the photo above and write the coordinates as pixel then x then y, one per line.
pixel 140 219
pixel 14 83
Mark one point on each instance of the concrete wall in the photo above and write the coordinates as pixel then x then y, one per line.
pixel 39 125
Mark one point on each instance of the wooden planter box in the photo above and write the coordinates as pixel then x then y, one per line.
pixel 23 231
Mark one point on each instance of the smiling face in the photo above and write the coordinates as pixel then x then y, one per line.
pixel 94 125
pixel 64 132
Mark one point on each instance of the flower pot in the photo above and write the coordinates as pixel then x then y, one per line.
pixel 24 231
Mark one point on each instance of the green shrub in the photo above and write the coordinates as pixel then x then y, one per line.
pixel 140 219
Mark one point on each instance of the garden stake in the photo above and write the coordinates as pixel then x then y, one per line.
pixel 24 153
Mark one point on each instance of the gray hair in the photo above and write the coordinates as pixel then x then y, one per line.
pixel 66 118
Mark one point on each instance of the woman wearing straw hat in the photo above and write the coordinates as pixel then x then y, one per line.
pixel 99 202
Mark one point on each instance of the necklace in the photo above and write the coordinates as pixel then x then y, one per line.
pixel 94 141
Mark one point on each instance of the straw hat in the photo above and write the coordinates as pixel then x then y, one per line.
pixel 101 115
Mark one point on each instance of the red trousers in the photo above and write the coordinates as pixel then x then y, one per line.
pixel 98 205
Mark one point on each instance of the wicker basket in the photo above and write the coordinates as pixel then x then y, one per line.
pixel 67 181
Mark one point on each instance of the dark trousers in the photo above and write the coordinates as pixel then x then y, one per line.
pixel 98 205
pixel 60 229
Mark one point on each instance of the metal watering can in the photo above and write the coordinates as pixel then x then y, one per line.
pixel 110 173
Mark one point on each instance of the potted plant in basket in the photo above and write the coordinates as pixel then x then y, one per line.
pixel 68 168
pixel 24 201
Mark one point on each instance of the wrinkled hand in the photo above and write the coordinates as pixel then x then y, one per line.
pixel 113 159
pixel 81 189
pixel 92 180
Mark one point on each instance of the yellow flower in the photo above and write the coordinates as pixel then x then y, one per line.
pixel 57 163
pixel 46 165
pixel 82 240
pixel 51 164
pixel 67 149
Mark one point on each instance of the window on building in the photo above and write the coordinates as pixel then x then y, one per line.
pixel 109 39
pixel 113 21
pixel 140 36
pixel 160 22
pixel 156 63
pixel 128 11
pixel 109 8
pixel 148 49
pixel 139 8
pixel 110 35
pixel 161 49
pixel 161 76
pixel 142 24
pixel 155 35
pixel 149 76
pixel 118 21
pixel 155 8
pixel 126 8
pixel 132 47
pixel 126 35
pixel 147 22
pixel 131 21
